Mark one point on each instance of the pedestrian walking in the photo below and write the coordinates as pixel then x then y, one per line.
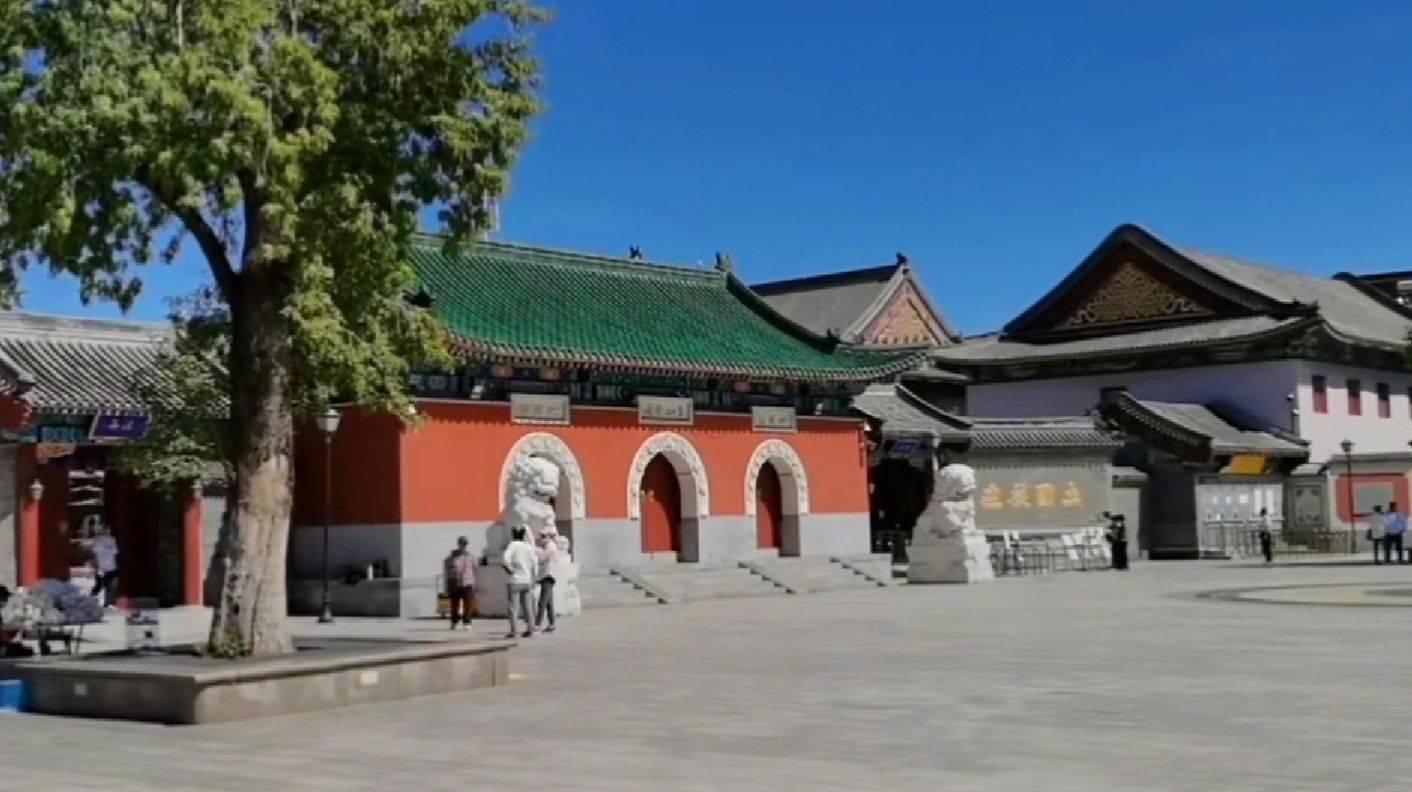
pixel 1267 538
pixel 1377 531
pixel 459 571
pixel 103 558
pixel 521 563
pixel 1396 527
pixel 548 553
pixel 1118 538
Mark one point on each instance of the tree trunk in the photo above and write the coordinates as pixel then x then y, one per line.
pixel 251 615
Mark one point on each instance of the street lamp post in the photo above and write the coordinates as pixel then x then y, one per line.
pixel 328 425
pixel 1347 446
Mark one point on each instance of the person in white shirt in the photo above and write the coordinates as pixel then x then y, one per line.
pixel 548 552
pixel 521 563
pixel 103 557
pixel 1377 531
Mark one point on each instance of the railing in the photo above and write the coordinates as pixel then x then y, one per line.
pixel 1245 541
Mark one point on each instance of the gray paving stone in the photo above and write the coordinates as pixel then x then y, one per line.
pixel 1079 681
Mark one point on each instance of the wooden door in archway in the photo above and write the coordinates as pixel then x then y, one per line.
pixel 769 507
pixel 661 507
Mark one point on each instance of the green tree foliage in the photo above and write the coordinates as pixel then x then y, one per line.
pixel 296 142
pixel 187 390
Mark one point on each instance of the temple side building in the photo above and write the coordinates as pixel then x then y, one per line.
pixel 68 399
pixel 690 421
pixel 1050 474
pixel 1241 386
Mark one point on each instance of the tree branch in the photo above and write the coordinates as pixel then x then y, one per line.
pixel 216 254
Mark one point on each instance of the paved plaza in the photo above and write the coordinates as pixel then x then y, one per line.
pixel 1078 681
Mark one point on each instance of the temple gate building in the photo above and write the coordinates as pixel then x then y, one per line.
pixel 67 400
pixel 1237 383
pixel 689 420
pixel 1045 475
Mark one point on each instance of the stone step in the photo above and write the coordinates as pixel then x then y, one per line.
pixel 813 574
pixel 611 591
pixel 682 585
pixel 876 566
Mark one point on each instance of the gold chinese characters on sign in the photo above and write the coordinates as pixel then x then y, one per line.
pixel 1022 495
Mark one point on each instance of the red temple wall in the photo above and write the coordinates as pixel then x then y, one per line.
pixel 452 463
pixel 366 485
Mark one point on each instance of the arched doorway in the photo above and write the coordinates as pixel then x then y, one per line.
pixel 661 507
pixel 569 501
pixel 684 502
pixel 776 494
pixel 769 508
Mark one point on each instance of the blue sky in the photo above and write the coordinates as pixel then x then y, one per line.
pixel 995 143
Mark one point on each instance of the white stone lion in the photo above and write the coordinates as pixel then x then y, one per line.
pixel 946 545
pixel 532 483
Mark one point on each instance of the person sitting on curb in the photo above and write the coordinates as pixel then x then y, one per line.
pixel 522 565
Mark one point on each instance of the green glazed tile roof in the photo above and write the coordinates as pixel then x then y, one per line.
pixel 538 306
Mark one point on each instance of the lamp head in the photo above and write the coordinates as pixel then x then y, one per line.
pixel 328 421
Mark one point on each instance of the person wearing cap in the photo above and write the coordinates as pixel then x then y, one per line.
pixel 547 553
pixel 521 563
pixel 459 570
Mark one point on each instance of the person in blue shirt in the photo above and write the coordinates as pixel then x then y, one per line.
pixel 1396 527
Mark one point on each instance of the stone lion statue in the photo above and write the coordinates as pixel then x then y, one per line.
pixel 531 485
pixel 946 545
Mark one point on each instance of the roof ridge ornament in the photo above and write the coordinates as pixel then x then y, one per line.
pixel 724 262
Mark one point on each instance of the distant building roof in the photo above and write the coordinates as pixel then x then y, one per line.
pixel 901 412
pixel 847 302
pixel 545 307
pixel 1210 430
pixel 1014 434
pixel 77 366
pixel 1180 298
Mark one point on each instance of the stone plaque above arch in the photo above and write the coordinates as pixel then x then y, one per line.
pixel 554 449
pixel 794 479
pixel 691 473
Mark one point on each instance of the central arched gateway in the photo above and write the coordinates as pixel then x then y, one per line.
pixel 661 508
pixel 777 493
pixel 769 508
pixel 669 512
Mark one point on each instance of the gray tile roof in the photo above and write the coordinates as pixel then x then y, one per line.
pixel 1076 432
pixel 903 412
pixel 846 302
pixel 994 348
pixel 834 302
pixel 1281 299
pixel 1350 311
pixel 1226 433
pixel 66 365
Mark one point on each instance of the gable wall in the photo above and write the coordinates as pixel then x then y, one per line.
pixel 904 321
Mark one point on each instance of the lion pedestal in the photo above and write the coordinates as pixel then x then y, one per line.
pixel 946 545
pixel 533 482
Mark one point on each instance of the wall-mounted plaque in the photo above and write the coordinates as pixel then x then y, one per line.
pixel 773 419
pixel 539 408
pixel 665 410
pixel 120 427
